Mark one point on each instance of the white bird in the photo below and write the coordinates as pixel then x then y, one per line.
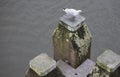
pixel 72 13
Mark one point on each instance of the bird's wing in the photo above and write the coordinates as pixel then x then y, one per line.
pixel 69 11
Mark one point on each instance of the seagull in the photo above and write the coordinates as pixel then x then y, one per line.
pixel 71 13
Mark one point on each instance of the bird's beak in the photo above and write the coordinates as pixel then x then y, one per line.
pixel 63 8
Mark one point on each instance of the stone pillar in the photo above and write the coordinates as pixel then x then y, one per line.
pixel 42 66
pixel 72 41
pixel 107 65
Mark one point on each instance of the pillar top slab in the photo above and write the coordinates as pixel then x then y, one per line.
pixel 109 61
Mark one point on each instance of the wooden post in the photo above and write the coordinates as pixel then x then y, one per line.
pixel 72 41
pixel 108 65
pixel 82 71
pixel 42 66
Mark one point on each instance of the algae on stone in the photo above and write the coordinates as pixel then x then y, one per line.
pixel 72 47
pixel 107 65
pixel 42 64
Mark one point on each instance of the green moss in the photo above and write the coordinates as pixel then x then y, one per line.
pixel 67 44
pixel 104 66
pixel 37 71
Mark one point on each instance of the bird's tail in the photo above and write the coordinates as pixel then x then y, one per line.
pixel 79 11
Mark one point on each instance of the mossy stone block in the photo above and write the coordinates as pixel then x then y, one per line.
pixel 42 64
pixel 72 47
pixel 109 61
pixel 108 65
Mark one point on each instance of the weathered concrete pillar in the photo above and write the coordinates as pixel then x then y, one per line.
pixel 108 65
pixel 42 66
pixel 72 40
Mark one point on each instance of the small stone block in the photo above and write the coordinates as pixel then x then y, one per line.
pixel 42 64
pixel 85 68
pixel 109 61
pixel 72 25
pixel 82 71
pixel 65 68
